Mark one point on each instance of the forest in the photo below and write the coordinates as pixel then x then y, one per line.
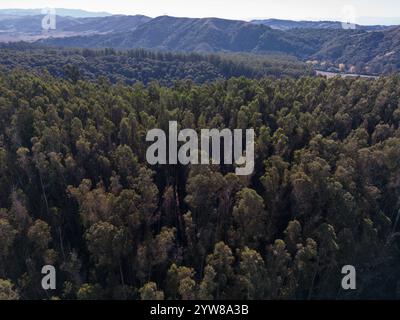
pixel 145 66
pixel 77 193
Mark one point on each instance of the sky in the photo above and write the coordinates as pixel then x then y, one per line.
pixel 357 11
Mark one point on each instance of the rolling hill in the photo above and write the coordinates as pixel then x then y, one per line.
pixel 359 51
pixel 188 34
pixel 370 50
pixel 32 25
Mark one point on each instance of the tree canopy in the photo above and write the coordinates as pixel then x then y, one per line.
pixel 76 191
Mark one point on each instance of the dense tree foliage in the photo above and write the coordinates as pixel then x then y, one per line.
pixel 144 66
pixel 76 191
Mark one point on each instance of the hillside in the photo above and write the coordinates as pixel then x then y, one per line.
pixel 371 52
pixel 187 34
pixel 33 24
pixel 365 50
pixel 360 51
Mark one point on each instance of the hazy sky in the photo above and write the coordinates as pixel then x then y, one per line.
pixel 232 9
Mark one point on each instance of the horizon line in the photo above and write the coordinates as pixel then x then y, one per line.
pixel 246 19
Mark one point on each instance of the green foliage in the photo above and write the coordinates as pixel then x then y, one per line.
pixel 149 292
pixel 145 66
pixel 76 191
pixel 89 292
pixel 7 291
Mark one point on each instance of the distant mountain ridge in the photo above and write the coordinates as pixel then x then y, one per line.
pixel 32 25
pixel 290 24
pixel 323 44
pixel 359 50
pixel 75 13
pixel 208 35
pixel 193 34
